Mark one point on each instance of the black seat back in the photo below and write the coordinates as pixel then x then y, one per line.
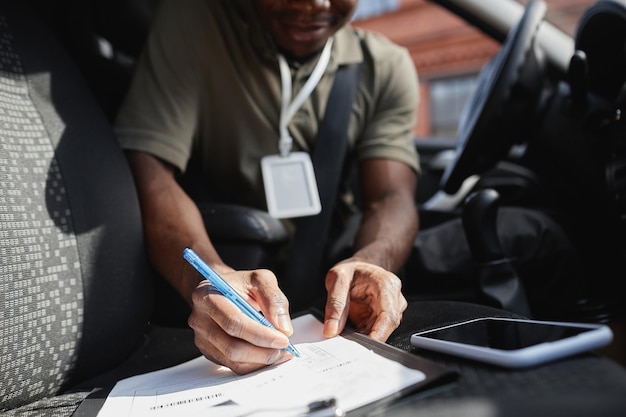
pixel 601 34
pixel 104 38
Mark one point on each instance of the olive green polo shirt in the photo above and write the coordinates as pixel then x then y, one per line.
pixel 208 85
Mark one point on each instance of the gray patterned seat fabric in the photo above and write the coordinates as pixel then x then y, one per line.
pixel 75 287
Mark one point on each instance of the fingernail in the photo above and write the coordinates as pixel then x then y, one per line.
pixel 331 328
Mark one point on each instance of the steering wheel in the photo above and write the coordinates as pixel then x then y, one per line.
pixel 495 115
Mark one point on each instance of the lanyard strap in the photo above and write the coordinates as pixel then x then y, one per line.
pixel 289 108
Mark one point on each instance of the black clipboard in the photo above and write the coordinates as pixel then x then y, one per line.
pixel 437 376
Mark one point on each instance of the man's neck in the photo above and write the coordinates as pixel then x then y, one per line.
pixel 296 61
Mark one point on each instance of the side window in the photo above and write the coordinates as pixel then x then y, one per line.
pixel 447 99
pixel 373 8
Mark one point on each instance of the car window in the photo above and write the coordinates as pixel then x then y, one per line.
pixel 449 52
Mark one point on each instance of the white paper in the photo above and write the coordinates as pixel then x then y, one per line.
pixel 327 368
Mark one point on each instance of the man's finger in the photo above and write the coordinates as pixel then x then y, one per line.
pixel 337 308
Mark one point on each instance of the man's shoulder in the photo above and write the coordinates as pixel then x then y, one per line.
pixel 354 44
pixel 376 49
pixel 377 44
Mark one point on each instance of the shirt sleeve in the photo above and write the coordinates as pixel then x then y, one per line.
pixel 390 115
pixel 160 112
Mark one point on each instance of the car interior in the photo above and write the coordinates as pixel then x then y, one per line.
pixel 550 140
pixel 81 306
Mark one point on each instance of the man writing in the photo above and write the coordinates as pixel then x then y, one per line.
pixel 209 89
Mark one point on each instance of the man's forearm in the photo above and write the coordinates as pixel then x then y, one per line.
pixel 171 222
pixel 387 233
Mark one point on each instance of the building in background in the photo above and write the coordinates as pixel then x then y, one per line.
pixel 448 53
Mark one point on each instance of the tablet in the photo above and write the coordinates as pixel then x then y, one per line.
pixel 514 343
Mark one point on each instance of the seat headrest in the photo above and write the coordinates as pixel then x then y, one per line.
pixel 125 23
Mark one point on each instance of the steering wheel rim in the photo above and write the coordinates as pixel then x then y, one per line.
pixel 512 77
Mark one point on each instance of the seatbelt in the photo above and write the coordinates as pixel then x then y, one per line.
pixel 303 272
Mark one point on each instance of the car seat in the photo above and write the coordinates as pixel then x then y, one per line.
pixel 76 289
pixel 104 40
pixel 601 36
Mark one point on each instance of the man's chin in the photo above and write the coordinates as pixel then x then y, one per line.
pixel 304 42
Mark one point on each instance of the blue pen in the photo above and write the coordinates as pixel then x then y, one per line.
pixel 229 292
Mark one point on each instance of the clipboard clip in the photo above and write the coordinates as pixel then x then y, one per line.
pixel 325 408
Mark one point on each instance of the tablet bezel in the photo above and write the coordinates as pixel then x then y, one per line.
pixel 594 336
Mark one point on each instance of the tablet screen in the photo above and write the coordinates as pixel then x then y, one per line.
pixel 504 334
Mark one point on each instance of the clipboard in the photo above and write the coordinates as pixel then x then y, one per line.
pixel 146 390
pixel 437 376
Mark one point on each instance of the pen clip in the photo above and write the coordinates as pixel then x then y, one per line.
pixel 325 408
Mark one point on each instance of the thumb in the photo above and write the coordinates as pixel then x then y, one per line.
pixel 336 311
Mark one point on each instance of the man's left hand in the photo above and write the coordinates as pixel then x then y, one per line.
pixel 367 294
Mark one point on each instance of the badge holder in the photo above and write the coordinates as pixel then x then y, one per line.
pixel 288 178
pixel 290 185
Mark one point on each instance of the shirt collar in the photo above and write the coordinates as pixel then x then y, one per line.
pixel 346 47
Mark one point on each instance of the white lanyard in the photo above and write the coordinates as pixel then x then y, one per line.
pixel 289 108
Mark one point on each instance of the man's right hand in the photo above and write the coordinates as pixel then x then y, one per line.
pixel 226 335
pixel 223 333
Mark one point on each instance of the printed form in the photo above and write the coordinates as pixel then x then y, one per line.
pixel 336 368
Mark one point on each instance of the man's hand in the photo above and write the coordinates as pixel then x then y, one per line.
pixel 226 335
pixel 367 294
pixel 362 287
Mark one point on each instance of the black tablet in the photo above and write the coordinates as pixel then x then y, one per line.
pixel 514 343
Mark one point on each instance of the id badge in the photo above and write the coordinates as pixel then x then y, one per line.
pixel 290 185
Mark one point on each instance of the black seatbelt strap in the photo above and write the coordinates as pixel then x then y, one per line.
pixel 303 273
